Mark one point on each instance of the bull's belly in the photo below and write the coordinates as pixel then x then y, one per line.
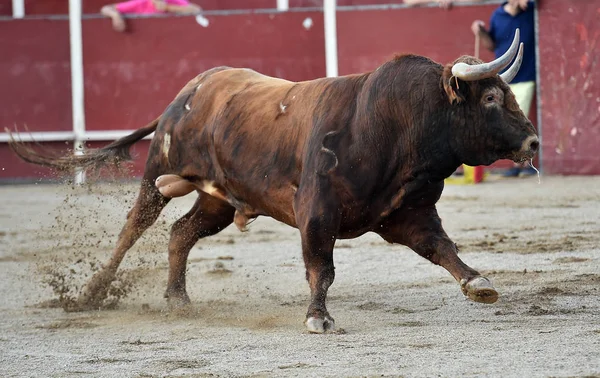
pixel 275 202
pixel 278 203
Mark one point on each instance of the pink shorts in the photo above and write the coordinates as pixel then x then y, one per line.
pixel 145 6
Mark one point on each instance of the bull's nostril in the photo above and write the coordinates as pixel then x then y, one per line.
pixel 534 145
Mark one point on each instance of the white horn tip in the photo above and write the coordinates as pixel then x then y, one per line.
pixel 460 69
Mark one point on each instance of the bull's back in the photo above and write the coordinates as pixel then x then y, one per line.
pixel 249 132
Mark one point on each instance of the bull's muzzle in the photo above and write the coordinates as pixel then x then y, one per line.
pixel 529 147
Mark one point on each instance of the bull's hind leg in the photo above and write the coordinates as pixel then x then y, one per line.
pixel 144 213
pixel 421 230
pixel 208 216
pixel 318 220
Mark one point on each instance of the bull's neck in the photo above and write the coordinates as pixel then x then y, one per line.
pixel 410 138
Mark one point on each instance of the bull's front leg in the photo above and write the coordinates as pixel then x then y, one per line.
pixel 318 221
pixel 421 230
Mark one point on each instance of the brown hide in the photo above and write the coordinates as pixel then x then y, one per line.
pixel 245 132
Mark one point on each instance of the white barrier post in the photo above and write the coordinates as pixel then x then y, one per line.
pixel 331 53
pixel 283 5
pixel 538 93
pixel 18 8
pixel 77 103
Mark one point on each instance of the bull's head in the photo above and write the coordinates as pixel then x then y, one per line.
pixel 490 124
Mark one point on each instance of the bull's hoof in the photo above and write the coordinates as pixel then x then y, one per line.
pixel 95 292
pixel 479 289
pixel 86 302
pixel 177 300
pixel 320 325
pixel 89 301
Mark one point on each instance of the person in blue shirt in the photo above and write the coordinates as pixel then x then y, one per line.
pixel 505 19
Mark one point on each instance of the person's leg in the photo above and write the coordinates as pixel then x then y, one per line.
pixel 524 95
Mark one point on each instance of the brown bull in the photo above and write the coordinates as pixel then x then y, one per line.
pixel 333 157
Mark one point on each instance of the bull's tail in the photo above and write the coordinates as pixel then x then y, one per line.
pixel 113 154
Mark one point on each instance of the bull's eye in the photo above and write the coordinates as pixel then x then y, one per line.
pixel 492 97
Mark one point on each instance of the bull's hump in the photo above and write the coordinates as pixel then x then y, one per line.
pixel 246 75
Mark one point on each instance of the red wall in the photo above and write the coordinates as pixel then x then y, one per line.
pixel 131 77
pixel 13 167
pixel 54 7
pixel 35 75
pixel 132 81
pixel 5 7
pixel 37 7
pixel 340 3
pixel 368 38
pixel 35 90
pixel 570 86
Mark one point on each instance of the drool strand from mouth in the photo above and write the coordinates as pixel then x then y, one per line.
pixel 538 172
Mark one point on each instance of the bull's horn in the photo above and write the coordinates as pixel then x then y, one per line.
pixel 511 72
pixel 469 72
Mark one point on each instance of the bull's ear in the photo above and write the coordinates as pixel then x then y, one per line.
pixel 455 88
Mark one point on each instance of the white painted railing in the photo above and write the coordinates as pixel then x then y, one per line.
pixel 68 136
pixel 331 53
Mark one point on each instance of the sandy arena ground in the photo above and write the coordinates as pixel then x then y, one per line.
pixel 399 314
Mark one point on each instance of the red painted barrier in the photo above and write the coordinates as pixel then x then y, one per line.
pixel 48 7
pixel 569 47
pixel 131 78
pixel 236 4
pixel 5 7
pixel 15 169
pixel 56 7
pixel 340 3
pixel 368 38
pixel 35 75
